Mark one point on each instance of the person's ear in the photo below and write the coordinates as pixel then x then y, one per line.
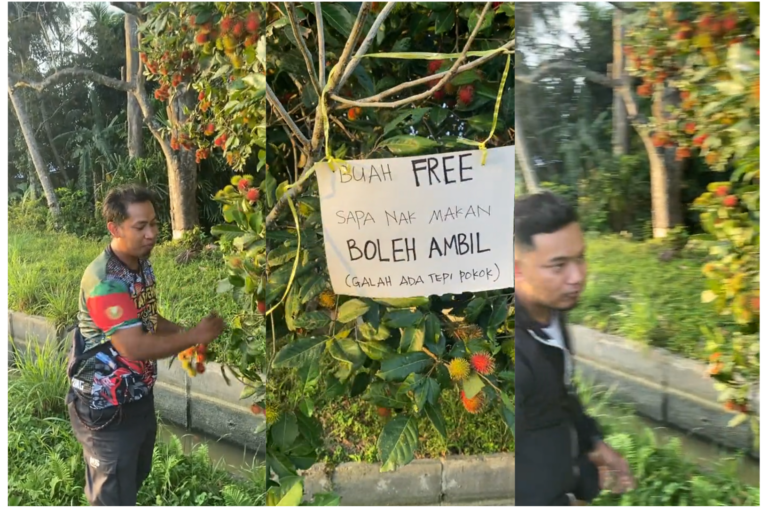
pixel 114 229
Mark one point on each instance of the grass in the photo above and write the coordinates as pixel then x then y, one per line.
pixel 631 293
pixel 46 465
pixel 665 475
pixel 352 428
pixel 44 272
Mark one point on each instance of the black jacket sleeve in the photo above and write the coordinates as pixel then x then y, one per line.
pixel 586 427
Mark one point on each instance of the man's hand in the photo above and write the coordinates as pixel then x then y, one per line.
pixel 208 329
pixel 614 469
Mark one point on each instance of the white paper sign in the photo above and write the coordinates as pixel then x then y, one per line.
pixel 420 226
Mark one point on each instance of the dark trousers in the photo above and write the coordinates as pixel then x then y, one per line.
pixel 118 457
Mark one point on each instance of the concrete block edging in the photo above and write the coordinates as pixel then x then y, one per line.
pixel 454 480
pixel 661 385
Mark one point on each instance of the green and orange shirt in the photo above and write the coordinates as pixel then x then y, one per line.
pixel 114 297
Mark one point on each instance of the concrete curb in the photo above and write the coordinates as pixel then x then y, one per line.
pixel 476 480
pixel 661 386
pixel 204 404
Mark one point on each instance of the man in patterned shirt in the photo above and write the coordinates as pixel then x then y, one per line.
pixel 118 340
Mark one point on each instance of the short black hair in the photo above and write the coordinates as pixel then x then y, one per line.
pixel 540 214
pixel 115 207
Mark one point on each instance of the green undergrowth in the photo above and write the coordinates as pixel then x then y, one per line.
pixel 44 272
pixel 45 461
pixel 665 475
pixel 352 427
pixel 633 293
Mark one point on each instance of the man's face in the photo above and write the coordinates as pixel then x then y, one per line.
pixel 138 233
pixel 553 272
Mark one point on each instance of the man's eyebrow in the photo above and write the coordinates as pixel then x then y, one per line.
pixel 560 259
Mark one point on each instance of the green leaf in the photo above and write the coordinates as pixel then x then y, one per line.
pixel 426 392
pixel 498 315
pixel 508 411
pixel 402 318
pixel 347 350
pixel 326 499
pixel 409 117
pixel 280 464
pixel 312 320
pixel 228 231
pixel 338 17
pixel 402 44
pixel 474 308
pixel 438 115
pixel 401 303
pixel 472 386
pixel 248 391
pixel 400 367
pixel 376 350
pixel 285 431
pixel 432 329
pixel 474 19
pixel 351 310
pixel 408 145
pixel 312 288
pixel 445 21
pixel 379 394
pixel 296 353
pixel 729 87
pixel 412 339
pixel 397 442
pixel 281 255
pixel 435 415
pixel 288 493
pixel 466 78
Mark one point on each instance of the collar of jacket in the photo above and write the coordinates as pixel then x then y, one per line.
pixel 524 320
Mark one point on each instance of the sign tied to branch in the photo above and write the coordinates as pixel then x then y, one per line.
pixel 420 226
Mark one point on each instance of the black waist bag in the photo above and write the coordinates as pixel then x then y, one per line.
pixel 77 356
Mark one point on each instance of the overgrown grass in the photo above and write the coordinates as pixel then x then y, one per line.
pixel 631 293
pixel 665 475
pixel 352 428
pixel 44 272
pixel 46 465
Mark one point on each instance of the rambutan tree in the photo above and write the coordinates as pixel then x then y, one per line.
pixel 691 88
pixel 385 95
pixel 208 62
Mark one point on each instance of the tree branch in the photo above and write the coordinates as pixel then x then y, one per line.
pixel 273 100
pixel 366 42
pixel 371 101
pixel 320 44
pixel 72 72
pixel 583 72
pixel 317 133
pixel 291 9
pixel 128 8
pixel 446 77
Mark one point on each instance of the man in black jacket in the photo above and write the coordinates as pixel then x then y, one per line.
pixel 560 455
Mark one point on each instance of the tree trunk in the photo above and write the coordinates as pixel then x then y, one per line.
pixel 526 168
pixel 56 157
pixel 135 145
pixel 620 137
pixel 34 152
pixel 665 173
pixel 182 173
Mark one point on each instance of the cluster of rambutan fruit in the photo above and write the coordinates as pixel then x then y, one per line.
pixel 460 369
pixel 196 354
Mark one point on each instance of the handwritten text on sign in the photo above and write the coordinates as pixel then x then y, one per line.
pixel 418 226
